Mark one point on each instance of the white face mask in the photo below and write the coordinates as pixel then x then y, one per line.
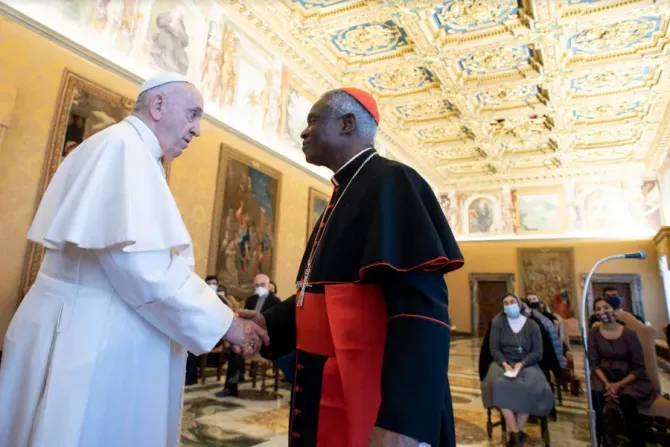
pixel 261 291
pixel 214 287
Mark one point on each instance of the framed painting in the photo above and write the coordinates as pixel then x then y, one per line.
pixel 244 226
pixel 318 202
pixel 82 110
pixel 550 273
pixel 540 211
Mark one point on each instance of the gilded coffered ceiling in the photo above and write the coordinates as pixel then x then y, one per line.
pixel 482 92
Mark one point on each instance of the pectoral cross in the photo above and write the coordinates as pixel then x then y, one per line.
pixel 303 284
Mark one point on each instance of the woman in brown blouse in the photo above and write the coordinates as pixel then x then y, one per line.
pixel 619 376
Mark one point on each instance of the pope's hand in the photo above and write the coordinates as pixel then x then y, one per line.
pixel 246 336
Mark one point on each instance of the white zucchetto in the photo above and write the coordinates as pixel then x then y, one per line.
pixel 161 78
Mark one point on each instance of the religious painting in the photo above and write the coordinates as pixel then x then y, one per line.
pixel 298 102
pixel 317 205
pixel 600 207
pixel 549 273
pixel 244 229
pixel 119 22
pixel 481 216
pixel 651 204
pixel 449 205
pixel 83 109
pixel 539 211
pixel 258 89
pixel 175 39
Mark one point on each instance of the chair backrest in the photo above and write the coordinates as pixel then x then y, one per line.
pixel 647 337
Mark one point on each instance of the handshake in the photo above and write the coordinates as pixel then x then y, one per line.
pixel 247 333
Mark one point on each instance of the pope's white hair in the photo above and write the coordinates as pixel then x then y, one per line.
pixel 343 102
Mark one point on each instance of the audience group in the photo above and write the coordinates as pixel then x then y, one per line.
pixel 526 344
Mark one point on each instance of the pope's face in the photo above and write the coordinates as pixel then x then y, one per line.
pixel 180 119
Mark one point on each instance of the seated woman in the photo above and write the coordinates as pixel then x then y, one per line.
pixel 619 377
pixel 516 348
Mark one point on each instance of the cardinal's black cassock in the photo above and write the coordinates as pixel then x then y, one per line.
pixel 371 331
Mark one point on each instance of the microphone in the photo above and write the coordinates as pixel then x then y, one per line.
pixel 641 255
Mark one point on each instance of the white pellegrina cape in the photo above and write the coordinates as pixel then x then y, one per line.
pixel 94 356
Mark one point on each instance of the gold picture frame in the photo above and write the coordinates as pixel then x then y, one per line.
pixel 245 221
pixel 83 109
pixel 318 201
pixel 540 211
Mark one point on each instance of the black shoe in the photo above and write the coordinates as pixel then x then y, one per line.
pixel 514 440
pixel 191 382
pixel 225 393
pixel 523 437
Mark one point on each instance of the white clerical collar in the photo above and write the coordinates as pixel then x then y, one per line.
pixel 333 179
pixel 146 135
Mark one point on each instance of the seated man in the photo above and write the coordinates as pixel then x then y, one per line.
pixel 533 303
pixel 260 301
pixel 611 296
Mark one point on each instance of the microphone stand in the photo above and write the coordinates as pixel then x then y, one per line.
pixel 587 367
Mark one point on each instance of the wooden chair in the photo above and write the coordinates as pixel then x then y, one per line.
pixel 655 419
pixel 263 366
pixel 221 359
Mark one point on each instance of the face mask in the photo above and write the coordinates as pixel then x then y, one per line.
pixel 606 316
pixel 214 287
pixel 261 291
pixel 512 310
pixel 535 305
pixel 222 294
pixel 614 301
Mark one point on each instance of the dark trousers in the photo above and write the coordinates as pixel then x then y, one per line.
pixel 191 369
pixel 235 372
pixel 605 423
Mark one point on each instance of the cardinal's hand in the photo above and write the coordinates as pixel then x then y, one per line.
pixel 246 337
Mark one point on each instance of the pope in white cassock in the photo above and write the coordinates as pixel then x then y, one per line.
pixel 95 355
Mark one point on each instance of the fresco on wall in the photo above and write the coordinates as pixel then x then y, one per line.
pixel 594 209
pixel 481 216
pixel 651 204
pixel 539 211
pixel 244 84
pixel 599 208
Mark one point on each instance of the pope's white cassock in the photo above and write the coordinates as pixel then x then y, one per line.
pixel 95 355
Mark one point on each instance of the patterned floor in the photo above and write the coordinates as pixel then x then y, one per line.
pixel 252 421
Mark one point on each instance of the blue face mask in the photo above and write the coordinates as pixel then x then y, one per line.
pixel 614 301
pixel 512 310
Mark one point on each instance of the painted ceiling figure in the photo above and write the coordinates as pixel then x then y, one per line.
pixel 170 42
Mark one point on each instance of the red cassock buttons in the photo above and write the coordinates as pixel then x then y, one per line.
pixel 298 389
pixel 296 412
pixel 295 435
pixel 300 366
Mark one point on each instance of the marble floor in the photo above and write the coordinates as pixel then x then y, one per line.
pixel 262 420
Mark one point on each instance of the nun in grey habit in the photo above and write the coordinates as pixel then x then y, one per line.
pixel 516 346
